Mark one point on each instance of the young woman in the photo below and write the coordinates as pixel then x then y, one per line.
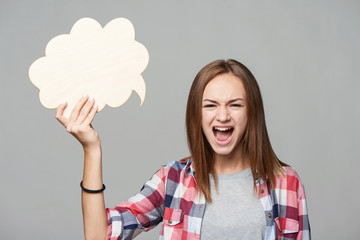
pixel 232 187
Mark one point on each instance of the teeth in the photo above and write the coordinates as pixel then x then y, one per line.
pixel 222 128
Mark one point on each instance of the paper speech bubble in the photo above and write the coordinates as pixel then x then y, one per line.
pixel 105 63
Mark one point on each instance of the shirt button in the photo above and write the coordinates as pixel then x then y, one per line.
pixel 269 215
pixel 170 221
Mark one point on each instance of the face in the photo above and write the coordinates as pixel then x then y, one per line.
pixel 224 116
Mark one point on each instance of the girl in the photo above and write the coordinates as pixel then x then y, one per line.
pixel 231 187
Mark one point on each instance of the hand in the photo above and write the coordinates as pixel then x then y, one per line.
pixel 79 122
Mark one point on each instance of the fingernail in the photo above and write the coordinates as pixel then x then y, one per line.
pixel 85 96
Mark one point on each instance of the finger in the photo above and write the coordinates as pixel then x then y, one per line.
pixel 60 114
pixel 76 111
pixel 91 115
pixel 85 110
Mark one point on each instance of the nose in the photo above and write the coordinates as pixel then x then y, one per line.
pixel 223 114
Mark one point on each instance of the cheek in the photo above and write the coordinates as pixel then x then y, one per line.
pixel 242 120
pixel 205 119
pixel 206 123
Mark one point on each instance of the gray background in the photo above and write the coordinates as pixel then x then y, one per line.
pixel 304 54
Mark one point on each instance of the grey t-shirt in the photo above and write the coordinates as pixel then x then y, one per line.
pixel 235 211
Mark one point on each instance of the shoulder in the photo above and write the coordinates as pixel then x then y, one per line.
pixel 287 172
pixel 291 172
pixel 173 168
pixel 179 165
pixel 289 180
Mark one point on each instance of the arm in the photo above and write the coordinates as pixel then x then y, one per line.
pixel 141 212
pixel 304 225
pixel 79 125
pixel 93 205
pixel 292 217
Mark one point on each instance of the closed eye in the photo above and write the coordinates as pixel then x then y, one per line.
pixel 209 105
pixel 236 105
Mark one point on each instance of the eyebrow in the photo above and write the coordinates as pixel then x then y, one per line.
pixel 231 101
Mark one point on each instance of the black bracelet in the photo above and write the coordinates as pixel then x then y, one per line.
pixel 91 191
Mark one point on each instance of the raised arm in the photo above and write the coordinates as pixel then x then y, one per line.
pixel 79 125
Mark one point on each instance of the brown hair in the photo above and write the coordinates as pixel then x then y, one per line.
pixel 256 144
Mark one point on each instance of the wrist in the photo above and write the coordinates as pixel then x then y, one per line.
pixel 93 155
pixel 93 148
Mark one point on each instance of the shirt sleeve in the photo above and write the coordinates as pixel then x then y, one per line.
pixel 304 225
pixel 290 208
pixel 141 212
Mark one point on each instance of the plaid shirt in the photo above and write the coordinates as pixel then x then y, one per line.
pixel 170 198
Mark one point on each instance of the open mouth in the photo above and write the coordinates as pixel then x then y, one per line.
pixel 223 134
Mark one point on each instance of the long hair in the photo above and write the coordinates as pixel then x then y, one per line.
pixel 256 143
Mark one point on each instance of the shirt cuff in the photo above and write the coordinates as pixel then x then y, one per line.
pixel 114 224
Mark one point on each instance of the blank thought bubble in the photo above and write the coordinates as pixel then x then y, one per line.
pixel 105 63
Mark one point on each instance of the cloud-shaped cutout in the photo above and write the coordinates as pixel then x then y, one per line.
pixel 105 63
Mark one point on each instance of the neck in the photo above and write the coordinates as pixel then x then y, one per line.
pixel 230 164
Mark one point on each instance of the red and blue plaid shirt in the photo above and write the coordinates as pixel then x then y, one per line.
pixel 170 198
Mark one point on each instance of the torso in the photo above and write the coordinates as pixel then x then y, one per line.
pixel 235 211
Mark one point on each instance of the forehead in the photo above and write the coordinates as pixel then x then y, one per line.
pixel 224 87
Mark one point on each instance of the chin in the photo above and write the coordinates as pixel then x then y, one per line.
pixel 222 152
